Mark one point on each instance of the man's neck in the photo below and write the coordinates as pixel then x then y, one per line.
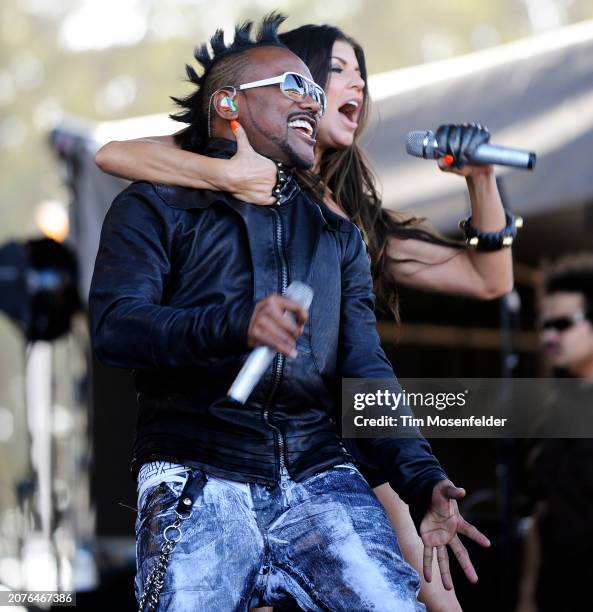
pixel 221 147
pixel 318 155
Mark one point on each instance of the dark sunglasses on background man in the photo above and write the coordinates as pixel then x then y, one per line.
pixel 562 323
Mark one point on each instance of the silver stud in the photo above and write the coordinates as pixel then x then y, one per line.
pixel 187 501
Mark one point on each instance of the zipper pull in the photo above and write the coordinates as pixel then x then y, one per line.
pixel 284 477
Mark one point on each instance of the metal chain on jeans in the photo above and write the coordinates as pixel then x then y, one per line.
pixel 156 578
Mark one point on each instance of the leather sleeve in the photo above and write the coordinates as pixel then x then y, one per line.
pixel 412 468
pixel 130 326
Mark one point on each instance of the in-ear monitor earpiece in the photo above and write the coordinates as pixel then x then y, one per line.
pixel 227 103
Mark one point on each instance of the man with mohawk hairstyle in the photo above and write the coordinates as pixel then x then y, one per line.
pixel 250 504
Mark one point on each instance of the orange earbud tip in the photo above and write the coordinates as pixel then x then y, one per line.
pixel 448 160
pixel 235 125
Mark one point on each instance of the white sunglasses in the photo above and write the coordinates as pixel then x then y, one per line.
pixel 295 86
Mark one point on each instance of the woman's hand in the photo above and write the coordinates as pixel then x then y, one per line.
pixel 469 170
pixel 456 143
pixel 248 176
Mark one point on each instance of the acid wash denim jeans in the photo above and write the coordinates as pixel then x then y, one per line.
pixel 321 544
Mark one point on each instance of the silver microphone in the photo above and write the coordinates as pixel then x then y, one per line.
pixel 423 143
pixel 261 357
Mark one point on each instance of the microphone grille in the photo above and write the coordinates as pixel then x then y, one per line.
pixel 416 144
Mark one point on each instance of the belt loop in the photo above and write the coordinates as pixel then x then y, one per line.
pixel 193 485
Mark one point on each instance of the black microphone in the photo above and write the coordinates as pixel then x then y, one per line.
pixel 423 143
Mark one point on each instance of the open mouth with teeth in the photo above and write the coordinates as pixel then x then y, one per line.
pixel 302 126
pixel 350 110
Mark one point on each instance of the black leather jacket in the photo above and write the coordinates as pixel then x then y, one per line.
pixel 176 280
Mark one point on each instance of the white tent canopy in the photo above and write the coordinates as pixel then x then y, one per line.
pixel 534 94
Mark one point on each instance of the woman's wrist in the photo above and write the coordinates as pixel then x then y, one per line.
pixel 222 175
pixel 484 178
pixel 486 206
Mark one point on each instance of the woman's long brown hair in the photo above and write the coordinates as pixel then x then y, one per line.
pixel 346 172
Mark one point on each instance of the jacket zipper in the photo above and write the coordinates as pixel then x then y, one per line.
pixel 279 359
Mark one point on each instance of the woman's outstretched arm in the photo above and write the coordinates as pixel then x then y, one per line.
pixel 248 176
pixel 435 267
pixel 433 594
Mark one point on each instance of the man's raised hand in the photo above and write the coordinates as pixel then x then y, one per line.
pixel 441 527
pixel 270 327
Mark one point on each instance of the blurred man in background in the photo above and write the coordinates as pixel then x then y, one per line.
pixel 558 563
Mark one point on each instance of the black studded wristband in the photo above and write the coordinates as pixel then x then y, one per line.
pixel 491 241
